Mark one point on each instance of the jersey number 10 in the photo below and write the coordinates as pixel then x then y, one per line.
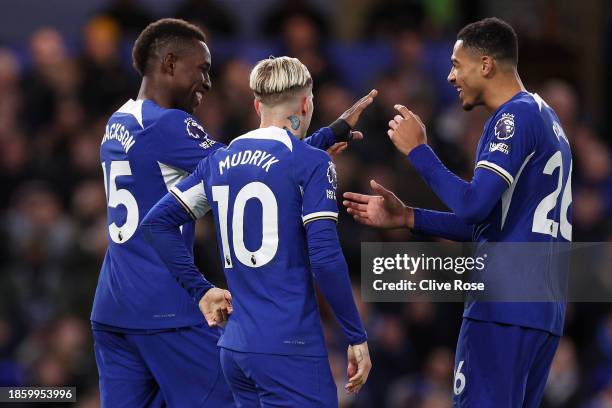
pixel 269 240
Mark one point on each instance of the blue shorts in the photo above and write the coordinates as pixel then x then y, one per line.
pixel 499 365
pixel 270 380
pixel 177 368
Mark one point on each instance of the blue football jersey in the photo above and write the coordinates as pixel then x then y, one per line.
pixel 524 143
pixel 144 152
pixel 263 189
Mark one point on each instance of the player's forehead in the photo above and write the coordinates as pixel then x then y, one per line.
pixel 197 53
pixel 458 51
pixel 202 53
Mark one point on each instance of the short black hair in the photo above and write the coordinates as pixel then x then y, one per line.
pixel 491 36
pixel 159 34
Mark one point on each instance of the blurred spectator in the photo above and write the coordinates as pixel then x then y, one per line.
pixel 563 385
pixel 39 238
pixel 51 78
pixel 105 85
pixel 131 16
pixel 390 16
pixel 211 16
pixel 303 32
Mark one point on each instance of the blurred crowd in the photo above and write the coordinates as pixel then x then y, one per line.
pixel 56 94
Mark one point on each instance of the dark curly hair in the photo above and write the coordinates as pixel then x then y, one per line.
pixel 491 36
pixel 158 35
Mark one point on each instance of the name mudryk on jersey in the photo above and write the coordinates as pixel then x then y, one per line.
pixel 248 157
pixel 120 133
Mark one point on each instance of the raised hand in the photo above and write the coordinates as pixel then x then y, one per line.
pixel 359 366
pixel 216 306
pixel 352 114
pixel 406 131
pixel 384 210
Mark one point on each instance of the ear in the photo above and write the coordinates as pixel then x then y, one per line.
pixel 169 63
pixel 487 66
pixel 257 106
pixel 304 105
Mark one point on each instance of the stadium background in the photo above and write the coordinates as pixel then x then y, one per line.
pixel 65 66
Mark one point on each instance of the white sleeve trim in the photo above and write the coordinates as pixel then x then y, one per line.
pixel 498 169
pixel 320 215
pixel 194 200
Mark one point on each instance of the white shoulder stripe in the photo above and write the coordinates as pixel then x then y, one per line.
pixel 269 133
pixel 501 170
pixel 507 196
pixel 133 108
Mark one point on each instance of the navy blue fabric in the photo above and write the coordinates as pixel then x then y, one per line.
pixel 501 366
pixel 135 371
pixel 266 380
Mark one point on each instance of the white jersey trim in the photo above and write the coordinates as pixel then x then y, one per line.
pixel 269 133
pixel 497 169
pixel 320 215
pixel 194 200
pixel 133 108
pixel 507 196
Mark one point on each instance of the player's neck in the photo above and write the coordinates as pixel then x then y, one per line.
pixel 291 123
pixel 149 90
pixel 502 91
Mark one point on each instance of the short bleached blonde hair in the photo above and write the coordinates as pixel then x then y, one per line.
pixel 277 80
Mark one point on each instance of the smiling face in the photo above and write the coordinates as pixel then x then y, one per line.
pixel 467 76
pixel 191 77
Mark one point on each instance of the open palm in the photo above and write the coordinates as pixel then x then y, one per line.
pixel 383 211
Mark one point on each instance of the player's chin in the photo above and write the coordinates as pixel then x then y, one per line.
pixel 467 105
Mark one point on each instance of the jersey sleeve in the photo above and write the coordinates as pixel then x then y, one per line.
pixel 318 186
pixel 181 141
pixel 511 139
pixel 442 224
pixel 323 138
pixel 190 192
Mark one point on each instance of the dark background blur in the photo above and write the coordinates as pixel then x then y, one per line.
pixel 65 67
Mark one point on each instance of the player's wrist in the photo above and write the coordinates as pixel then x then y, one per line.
pixel 408 217
pixel 205 290
pixel 341 130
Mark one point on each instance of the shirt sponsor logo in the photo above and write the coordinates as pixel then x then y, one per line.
pixel 504 127
pixel 500 147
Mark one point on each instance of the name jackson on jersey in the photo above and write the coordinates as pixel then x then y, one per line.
pixel 118 132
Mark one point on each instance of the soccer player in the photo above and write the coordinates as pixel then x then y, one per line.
pixel 152 345
pixel 520 192
pixel 274 202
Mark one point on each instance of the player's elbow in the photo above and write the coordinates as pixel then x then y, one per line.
pixel 151 224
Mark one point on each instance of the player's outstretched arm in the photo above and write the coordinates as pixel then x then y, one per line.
pixel 386 210
pixel 471 201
